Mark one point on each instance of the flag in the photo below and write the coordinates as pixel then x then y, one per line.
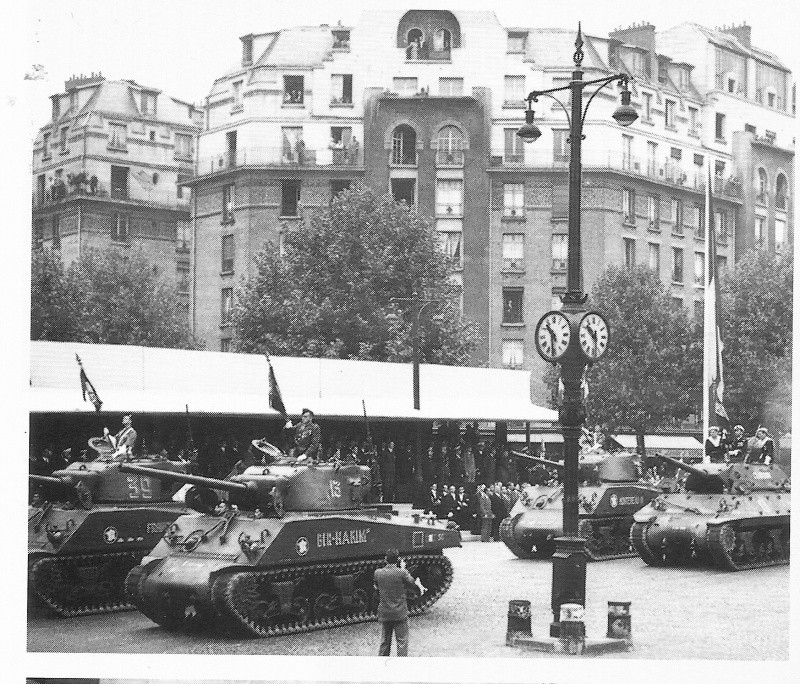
pixel 87 388
pixel 275 398
pixel 714 413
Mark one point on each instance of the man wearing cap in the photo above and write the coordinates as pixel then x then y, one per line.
pixel 124 442
pixel 715 446
pixel 737 445
pixel 392 581
pixel 760 449
pixel 307 436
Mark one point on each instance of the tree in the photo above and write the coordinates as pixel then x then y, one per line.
pixel 108 297
pixel 652 370
pixel 757 340
pixel 331 292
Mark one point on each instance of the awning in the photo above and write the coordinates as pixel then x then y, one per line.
pixel 659 442
pixel 148 380
pixel 537 438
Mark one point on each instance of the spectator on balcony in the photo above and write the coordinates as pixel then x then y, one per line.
pixel 301 151
pixel 93 184
pixel 353 148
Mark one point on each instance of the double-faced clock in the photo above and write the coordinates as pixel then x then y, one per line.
pixel 593 335
pixel 553 335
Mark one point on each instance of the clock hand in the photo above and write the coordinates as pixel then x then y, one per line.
pixel 592 332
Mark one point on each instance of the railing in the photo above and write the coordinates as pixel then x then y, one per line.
pixel 155 198
pixel 403 157
pixel 449 157
pixel 780 202
pixel 287 155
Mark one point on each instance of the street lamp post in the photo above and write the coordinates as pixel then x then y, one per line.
pixel 572 336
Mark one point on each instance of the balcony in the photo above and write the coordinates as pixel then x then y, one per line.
pixel 283 156
pixel 449 157
pixel 780 202
pixel 163 199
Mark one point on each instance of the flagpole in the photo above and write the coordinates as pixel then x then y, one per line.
pixel 708 308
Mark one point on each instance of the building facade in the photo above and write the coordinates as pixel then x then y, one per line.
pixel 108 171
pixel 406 104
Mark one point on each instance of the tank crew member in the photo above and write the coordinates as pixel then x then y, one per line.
pixel 307 436
pixel 737 445
pixel 760 449
pixel 124 442
pixel 715 447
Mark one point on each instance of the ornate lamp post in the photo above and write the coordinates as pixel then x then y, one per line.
pixel 573 337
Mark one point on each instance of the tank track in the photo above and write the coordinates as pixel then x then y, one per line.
pixel 741 546
pixel 507 535
pixel 601 547
pixel 639 542
pixel 245 602
pixel 81 585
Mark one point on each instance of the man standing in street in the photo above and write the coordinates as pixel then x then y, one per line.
pixel 124 442
pixel 392 581
pixel 484 512
pixel 307 436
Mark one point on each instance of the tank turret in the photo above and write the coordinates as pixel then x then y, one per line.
pixel 731 515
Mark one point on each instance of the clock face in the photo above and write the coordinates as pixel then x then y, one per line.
pixel 593 335
pixel 553 335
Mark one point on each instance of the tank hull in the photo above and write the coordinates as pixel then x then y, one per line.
pixel 267 576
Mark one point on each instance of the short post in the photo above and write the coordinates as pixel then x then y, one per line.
pixel 619 620
pixel 572 632
pixel 519 621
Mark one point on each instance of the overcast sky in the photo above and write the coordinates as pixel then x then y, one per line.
pixel 180 46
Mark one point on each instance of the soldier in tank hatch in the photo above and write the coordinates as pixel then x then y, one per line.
pixel 125 441
pixel 307 436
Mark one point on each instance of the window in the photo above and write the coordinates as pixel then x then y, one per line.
pixel 38 232
pixel 120 228
pixel 450 244
pixel 449 196
pixel 675 153
pixel 293 90
pixel 719 168
pixel 46 146
pixel 227 203
pixel 719 126
pixel 341 40
pixel 341 89
pixel 628 206
pixel 73 101
pixel 117 136
pixel 54 225
pixel 290 197
pixel 559 252
pixel 630 252
pixel 654 256
pixel 512 305
pixel 513 199
pixel 228 253
pixel 227 306
pixel 64 133
pixel 183 235
pixel 404 190
pixel 512 353
pixel 56 100
pixel 404 146
pixel 182 191
pixel 513 251
pixel 231 141
pixel 652 212
pixel 341 137
pixel 677 265
pixel 450 146
pixel 676 214
pixel 780 235
pixel 699 268
pixel 652 164
pixel 338 186
pixel 152 136
pixel 647 100
pixel 763 187
pixel 247 50
pixel 560 145
pixel 41 190
pixel 442 40
pixel 627 145
pixel 700 219
pixel 184 146
pixel 721 223
pixel 516 42
pixel 780 192
pixel 148 103
pixel 119 182
pixel 514 93
pixel 451 87
pixel 513 152
pixel 293 145
pixel 694 121
pixel 760 225
pixel 722 265
pixel 669 113
pixel 405 85
pixel 183 277
pixel 237 95
pixel 225 345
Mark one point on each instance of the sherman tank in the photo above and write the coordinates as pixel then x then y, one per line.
pixel 89 524
pixel 292 549
pixel 610 494
pixel 732 516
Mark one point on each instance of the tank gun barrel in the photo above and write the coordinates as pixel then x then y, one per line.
pixel 684 466
pixel 49 479
pixel 169 476
pixel 538 459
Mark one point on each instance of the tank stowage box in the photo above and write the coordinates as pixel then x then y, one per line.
pixel 611 493
pixel 733 516
pixel 292 549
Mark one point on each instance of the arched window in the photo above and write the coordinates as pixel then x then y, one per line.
pixel 442 40
pixel 450 146
pixel 413 36
pixel 414 44
pixel 404 146
pixel 781 188
pixel 762 186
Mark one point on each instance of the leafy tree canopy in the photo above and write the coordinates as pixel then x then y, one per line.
pixel 331 293
pixel 109 297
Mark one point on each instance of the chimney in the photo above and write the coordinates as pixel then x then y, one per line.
pixel 642 35
pixel 741 33
pixel 82 80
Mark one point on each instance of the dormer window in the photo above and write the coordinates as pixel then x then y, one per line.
pixel 516 42
pixel 73 101
pixel 148 103
pixel 56 107
pixel 341 39
pixel 236 89
pixel 247 51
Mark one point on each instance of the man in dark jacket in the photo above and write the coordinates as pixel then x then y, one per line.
pixel 484 512
pixel 307 436
pixel 499 510
pixel 392 582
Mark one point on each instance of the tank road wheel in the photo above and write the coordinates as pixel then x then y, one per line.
pixel 326 606
pixel 639 541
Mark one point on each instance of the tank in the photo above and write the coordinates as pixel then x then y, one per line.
pixel 293 548
pixel 610 494
pixel 732 516
pixel 89 524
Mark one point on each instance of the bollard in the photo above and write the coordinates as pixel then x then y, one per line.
pixel 572 631
pixel 619 620
pixel 519 621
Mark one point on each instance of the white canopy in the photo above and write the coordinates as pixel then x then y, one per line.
pixel 659 442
